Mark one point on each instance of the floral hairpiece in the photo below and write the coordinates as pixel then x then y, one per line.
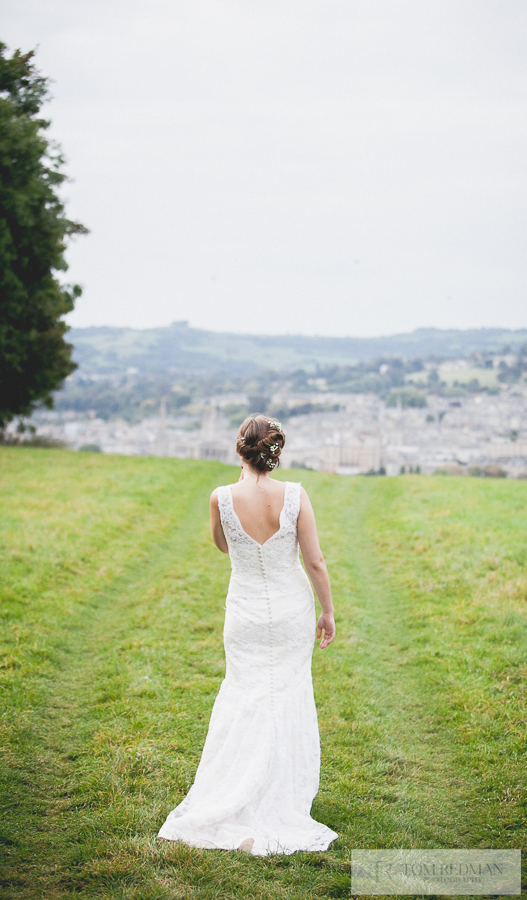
pixel 276 425
pixel 269 462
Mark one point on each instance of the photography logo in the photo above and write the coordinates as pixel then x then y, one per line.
pixel 437 872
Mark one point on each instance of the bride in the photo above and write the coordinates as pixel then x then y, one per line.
pixel 259 771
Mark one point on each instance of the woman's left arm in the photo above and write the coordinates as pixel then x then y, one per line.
pixel 215 524
pixel 316 568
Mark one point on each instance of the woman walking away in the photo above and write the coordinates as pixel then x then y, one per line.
pixel 259 771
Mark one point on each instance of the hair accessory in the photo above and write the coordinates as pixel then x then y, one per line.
pixel 276 425
pixel 273 448
pixel 271 463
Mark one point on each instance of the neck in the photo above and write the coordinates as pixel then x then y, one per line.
pixel 250 474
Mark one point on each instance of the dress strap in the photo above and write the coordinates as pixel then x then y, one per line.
pixel 291 504
pixel 224 503
pixel 229 520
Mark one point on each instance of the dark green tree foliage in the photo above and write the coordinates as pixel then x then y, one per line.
pixel 34 357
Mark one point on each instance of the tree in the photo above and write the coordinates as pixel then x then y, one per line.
pixel 34 357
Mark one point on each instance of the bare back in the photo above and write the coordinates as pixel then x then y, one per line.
pixel 258 506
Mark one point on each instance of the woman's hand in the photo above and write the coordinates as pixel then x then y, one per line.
pixel 326 624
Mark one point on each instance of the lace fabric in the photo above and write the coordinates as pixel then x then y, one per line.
pixel 259 771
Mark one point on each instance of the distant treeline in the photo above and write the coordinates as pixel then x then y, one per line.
pixel 135 396
pixel 183 351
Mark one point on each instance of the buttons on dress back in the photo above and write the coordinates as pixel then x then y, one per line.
pixel 271 655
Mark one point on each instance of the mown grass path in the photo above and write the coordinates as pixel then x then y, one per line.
pixel 112 607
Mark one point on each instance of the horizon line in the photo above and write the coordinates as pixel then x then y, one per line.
pixel 183 323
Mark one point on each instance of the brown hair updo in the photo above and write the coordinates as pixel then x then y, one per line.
pixel 260 442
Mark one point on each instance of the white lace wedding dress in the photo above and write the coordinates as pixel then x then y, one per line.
pixel 259 770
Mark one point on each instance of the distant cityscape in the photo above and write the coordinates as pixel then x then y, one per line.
pixel 458 430
pixel 425 402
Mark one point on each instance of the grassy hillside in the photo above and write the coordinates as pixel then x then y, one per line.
pixel 181 349
pixel 112 612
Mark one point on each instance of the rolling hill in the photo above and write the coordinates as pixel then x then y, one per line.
pixel 179 348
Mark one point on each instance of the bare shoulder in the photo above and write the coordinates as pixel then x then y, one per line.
pixel 304 496
pixel 214 498
pixel 306 513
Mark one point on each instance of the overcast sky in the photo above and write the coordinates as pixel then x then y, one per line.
pixel 337 167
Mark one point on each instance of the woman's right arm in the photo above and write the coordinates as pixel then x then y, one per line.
pixel 215 524
pixel 316 568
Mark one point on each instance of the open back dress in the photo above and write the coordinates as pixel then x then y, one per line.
pixel 259 771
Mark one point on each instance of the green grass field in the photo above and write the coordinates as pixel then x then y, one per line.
pixel 112 656
pixel 486 377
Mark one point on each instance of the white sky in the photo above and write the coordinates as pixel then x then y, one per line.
pixel 338 167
